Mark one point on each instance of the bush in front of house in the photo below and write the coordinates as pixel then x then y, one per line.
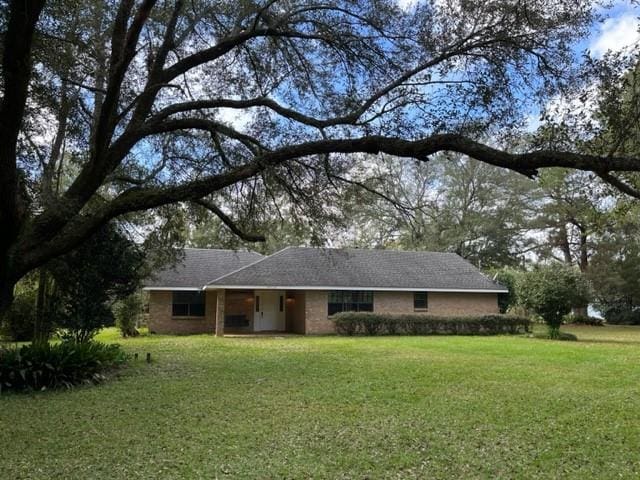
pixel 44 366
pixel 366 323
pixel 583 320
pixel 127 313
pixel 622 314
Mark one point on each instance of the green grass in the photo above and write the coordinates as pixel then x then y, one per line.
pixel 296 407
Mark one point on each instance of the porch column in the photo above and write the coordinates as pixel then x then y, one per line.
pixel 220 313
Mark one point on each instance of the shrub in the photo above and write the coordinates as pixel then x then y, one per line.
pixel 18 321
pixel 622 315
pixel 105 268
pixel 583 320
pixel 45 366
pixel 507 277
pixel 371 324
pixel 551 291
pixel 351 323
pixel 127 313
pixel 345 324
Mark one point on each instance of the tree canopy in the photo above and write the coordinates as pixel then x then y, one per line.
pixel 110 108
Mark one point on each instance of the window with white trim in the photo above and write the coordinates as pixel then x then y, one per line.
pixel 350 301
pixel 188 304
pixel 420 301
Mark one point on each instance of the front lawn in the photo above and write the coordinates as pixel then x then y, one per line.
pixel 330 407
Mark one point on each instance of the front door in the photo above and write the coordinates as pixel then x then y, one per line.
pixel 269 314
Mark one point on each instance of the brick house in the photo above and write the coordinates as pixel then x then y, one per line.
pixel 297 289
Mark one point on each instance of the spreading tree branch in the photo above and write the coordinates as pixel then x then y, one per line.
pixel 248 237
pixel 619 184
pixel 144 198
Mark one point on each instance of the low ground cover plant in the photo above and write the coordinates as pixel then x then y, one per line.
pixel 366 323
pixel 44 366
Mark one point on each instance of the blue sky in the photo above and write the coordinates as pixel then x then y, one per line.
pixel 618 31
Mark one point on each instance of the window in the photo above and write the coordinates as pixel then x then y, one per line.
pixel 257 303
pixel 350 301
pixel 420 301
pixel 188 304
pixel 281 303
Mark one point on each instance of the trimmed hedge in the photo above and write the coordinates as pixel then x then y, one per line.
pixel 365 323
pixel 44 366
pixel 583 320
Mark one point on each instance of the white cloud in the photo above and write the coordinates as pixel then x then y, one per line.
pixel 234 117
pixel 532 122
pixel 407 5
pixel 616 34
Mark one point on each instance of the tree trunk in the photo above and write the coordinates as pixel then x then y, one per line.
pixel 42 326
pixel 6 290
pixel 564 245
pixel 16 72
pixel 583 264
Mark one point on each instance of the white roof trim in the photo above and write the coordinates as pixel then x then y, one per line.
pixel 185 289
pixel 373 289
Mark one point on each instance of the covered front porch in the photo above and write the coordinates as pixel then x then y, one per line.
pixel 254 311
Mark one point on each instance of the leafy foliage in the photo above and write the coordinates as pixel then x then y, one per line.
pixel 551 291
pixel 127 312
pixel 451 204
pixel 312 84
pixel 615 270
pixel 622 314
pixel 366 323
pixel 18 322
pixel 506 277
pixel 44 366
pixel 583 320
pixel 89 279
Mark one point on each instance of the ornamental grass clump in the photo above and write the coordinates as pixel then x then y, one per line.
pixel 43 366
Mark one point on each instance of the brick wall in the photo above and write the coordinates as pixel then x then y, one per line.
pixel 160 319
pixel 440 303
pixel 295 311
pixel 393 302
pixel 316 313
pixel 312 307
pixel 402 303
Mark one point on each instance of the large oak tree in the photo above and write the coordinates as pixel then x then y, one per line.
pixel 123 106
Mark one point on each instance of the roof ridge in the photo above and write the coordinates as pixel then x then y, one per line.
pixel 222 250
pixel 356 249
pixel 264 257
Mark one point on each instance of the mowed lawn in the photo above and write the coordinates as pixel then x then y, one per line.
pixel 329 407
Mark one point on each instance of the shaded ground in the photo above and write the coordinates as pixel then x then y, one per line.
pixel 299 407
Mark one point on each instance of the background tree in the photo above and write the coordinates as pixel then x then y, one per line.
pixel 550 291
pixel 615 269
pixel 507 277
pixel 148 88
pixel 106 268
pixel 449 204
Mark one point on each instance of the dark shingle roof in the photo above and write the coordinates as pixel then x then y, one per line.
pixel 199 266
pixel 348 268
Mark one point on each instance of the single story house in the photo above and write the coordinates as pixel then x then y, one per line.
pixel 298 288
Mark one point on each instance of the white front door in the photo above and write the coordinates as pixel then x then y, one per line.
pixel 269 310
